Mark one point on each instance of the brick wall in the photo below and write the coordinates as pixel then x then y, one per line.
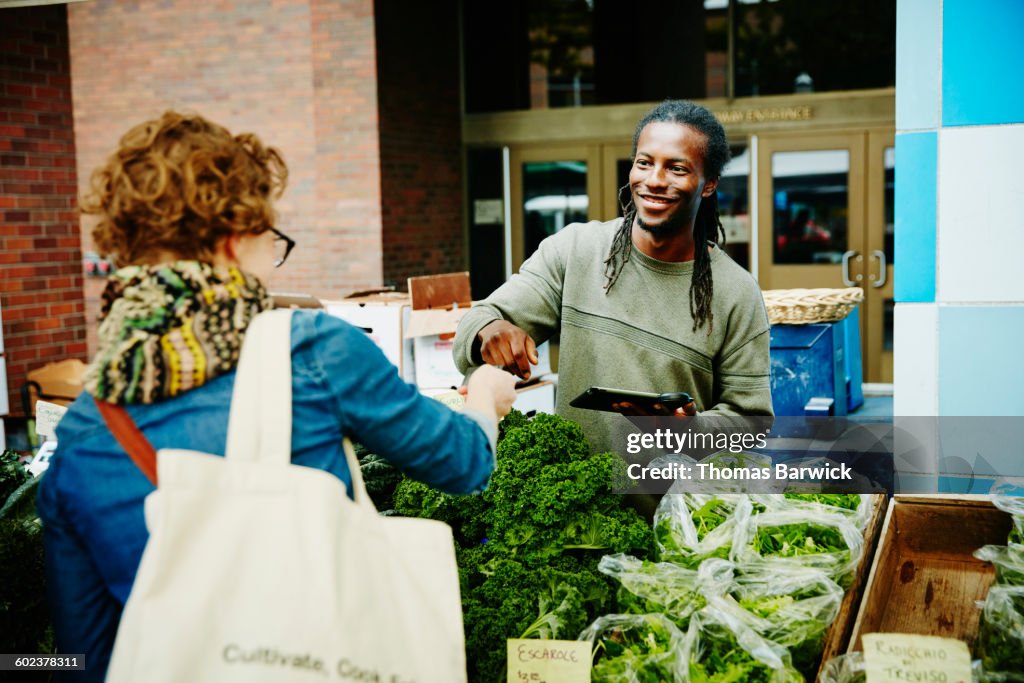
pixel 40 250
pixel 420 138
pixel 348 210
pixel 299 73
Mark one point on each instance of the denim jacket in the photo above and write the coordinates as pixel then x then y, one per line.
pixel 91 497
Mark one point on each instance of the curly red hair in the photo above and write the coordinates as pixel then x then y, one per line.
pixel 180 184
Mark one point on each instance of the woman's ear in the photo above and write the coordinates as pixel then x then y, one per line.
pixel 230 246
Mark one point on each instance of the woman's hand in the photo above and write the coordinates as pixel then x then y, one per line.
pixel 491 391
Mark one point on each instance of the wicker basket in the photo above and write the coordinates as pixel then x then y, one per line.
pixel 805 306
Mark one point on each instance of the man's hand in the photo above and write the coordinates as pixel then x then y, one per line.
pixel 634 410
pixel 507 346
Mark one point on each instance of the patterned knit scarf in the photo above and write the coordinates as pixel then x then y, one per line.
pixel 170 328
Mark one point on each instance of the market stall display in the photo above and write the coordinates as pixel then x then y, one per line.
pixel 746 587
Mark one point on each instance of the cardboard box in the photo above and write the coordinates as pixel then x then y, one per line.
pixel 438 304
pixel 925 578
pixel 536 398
pixel 384 317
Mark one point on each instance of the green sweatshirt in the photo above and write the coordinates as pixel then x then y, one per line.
pixel 639 336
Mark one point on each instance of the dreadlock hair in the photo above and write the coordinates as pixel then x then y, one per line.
pixel 707 226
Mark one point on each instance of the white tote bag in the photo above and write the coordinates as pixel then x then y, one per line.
pixel 260 570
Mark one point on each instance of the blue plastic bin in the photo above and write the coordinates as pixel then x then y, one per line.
pixel 808 371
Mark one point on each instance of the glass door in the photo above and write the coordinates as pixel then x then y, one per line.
pixel 878 250
pixel 826 220
pixel 551 187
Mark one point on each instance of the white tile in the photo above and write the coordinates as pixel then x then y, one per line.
pixel 980 221
pixel 916 352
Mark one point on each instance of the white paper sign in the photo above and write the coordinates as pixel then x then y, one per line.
pixel 488 212
pixel 901 657
pixel 47 416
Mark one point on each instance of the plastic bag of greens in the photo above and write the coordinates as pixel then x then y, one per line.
pixel 848 668
pixel 1008 560
pixel 635 648
pixel 1001 634
pixel 797 605
pixel 721 647
pixel 854 506
pixel 665 588
pixel 788 538
pixel 692 527
pixel 1014 505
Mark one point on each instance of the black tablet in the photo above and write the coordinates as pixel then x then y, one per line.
pixel 601 398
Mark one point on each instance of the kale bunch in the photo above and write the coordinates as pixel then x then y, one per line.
pixel 12 474
pixel 380 477
pixel 528 547
pixel 549 495
pixel 24 615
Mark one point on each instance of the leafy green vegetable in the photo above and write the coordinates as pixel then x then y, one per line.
pixel 12 473
pixel 795 538
pixel 1001 634
pixel 846 501
pixel 1008 561
pixel 792 540
pixel 380 477
pixel 718 657
pixel 528 546
pixel 798 604
pixel 634 649
pixel 648 587
pixel 690 528
pixel 24 615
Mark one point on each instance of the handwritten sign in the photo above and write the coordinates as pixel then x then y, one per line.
pixel 548 661
pixel 904 657
pixel 452 399
pixel 47 416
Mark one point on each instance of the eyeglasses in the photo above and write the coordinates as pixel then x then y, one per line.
pixel 283 245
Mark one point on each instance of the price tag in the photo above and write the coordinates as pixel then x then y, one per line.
pixel 548 661
pixel 47 416
pixel 904 657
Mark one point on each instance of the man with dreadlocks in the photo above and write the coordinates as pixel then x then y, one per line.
pixel 648 302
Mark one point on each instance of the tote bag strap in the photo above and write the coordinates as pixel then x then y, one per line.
pixel 260 422
pixel 131 438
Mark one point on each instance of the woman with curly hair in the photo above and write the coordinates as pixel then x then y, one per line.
pixel 186 211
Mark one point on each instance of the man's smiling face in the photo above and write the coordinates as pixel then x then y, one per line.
pixel 667 179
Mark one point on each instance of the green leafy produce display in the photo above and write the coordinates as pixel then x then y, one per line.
pixel 797 608
pixel 691 527
pixel 24 615
pixel 380 478
pixel 724 649
pixel 1014 505
pixel 1008 561
pixel 528 547
pixel 1001 634
pixel 848 668
pixel 12 474
pixel 799 537
pixel 663 588
pixel 635 649
pixel 844 501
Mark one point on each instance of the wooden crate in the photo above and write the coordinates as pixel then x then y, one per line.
pixel 839 634
pixel 924 578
